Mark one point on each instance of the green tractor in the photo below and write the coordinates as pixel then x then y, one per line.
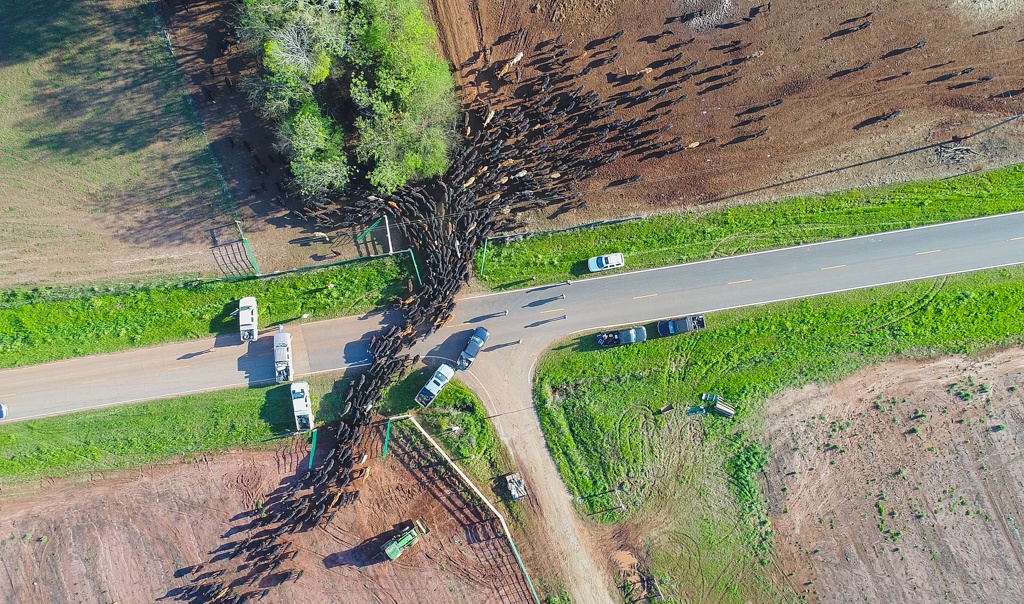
pixel 407 536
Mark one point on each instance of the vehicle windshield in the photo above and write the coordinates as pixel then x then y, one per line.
pixel 298 394
pixel 600 262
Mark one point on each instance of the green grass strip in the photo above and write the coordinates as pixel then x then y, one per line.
pixel 49 324
pixel 140 434
pixel 670 239
pixel 135 435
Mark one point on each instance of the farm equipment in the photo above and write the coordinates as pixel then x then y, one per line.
pixel 516 488
pixel 406 538
pixel 719 405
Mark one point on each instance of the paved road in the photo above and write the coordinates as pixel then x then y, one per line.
pixel 534 319
pixel 534 315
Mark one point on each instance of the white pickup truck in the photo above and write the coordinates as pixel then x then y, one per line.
pixel 429 392
pixel 248 319
pixel 282 357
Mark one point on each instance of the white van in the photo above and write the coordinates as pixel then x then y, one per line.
pixel 282 357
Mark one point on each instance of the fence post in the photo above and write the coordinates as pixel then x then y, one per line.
pixel 483 257
pixel 363 235
pixel 248 250
pixel 414 266
pixel 387 436
pixel 312 450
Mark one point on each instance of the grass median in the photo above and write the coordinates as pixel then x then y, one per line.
pixel 601 410
pixel 48 324
pixel 675 238
pixel 135 435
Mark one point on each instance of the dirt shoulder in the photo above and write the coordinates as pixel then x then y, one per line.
pixel 901 482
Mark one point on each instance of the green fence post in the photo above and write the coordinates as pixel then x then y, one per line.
pixel 483 257
pixel 312 450
pixel 387 436
pixel 248 250
pixel 360 238
pixel 416 268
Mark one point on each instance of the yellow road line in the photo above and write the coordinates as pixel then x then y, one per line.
pixel 828 268
pixel 645 296
pixel 6 395
pixel 928 252
pixel 552 310
pixel 744 281
pixel 96 381
pixel 177 368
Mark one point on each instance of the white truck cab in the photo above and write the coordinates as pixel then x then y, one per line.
pixel 248 319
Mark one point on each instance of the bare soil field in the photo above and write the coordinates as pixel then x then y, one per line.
pixel 104 175
pixel 139 536
pixel 833 83
pixel 902 483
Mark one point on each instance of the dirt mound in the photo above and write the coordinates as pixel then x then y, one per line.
pixel 900 483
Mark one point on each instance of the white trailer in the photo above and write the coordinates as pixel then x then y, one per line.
pixel 282 357
pixel 301 406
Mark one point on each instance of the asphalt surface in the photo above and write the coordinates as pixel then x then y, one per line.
pixel 533 315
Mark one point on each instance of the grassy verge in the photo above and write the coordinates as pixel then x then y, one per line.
pixel 140 434
pixel 600 409
pixel 458 421
pixel 49 324
pixel 671 239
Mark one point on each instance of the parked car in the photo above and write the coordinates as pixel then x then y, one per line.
pixel 476 342
pixel 681 325
pixel 625 336
pixel 3 411
pixel 438 381
pixel 606 262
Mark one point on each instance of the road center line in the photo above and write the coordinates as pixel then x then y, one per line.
pixel 1016 238
pixel 177 368
pixel 828 268
pixel 644 296
pixel 928 252
pixel 735 282
pixel 552 310
pixel 96 381
pixel 6 395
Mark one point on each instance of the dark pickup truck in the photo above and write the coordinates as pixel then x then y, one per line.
pixel 625 336
pixel 681 325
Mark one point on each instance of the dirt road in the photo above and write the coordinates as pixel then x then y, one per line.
pixel 584 569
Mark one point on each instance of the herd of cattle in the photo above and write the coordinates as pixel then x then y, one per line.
pixel 526 147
